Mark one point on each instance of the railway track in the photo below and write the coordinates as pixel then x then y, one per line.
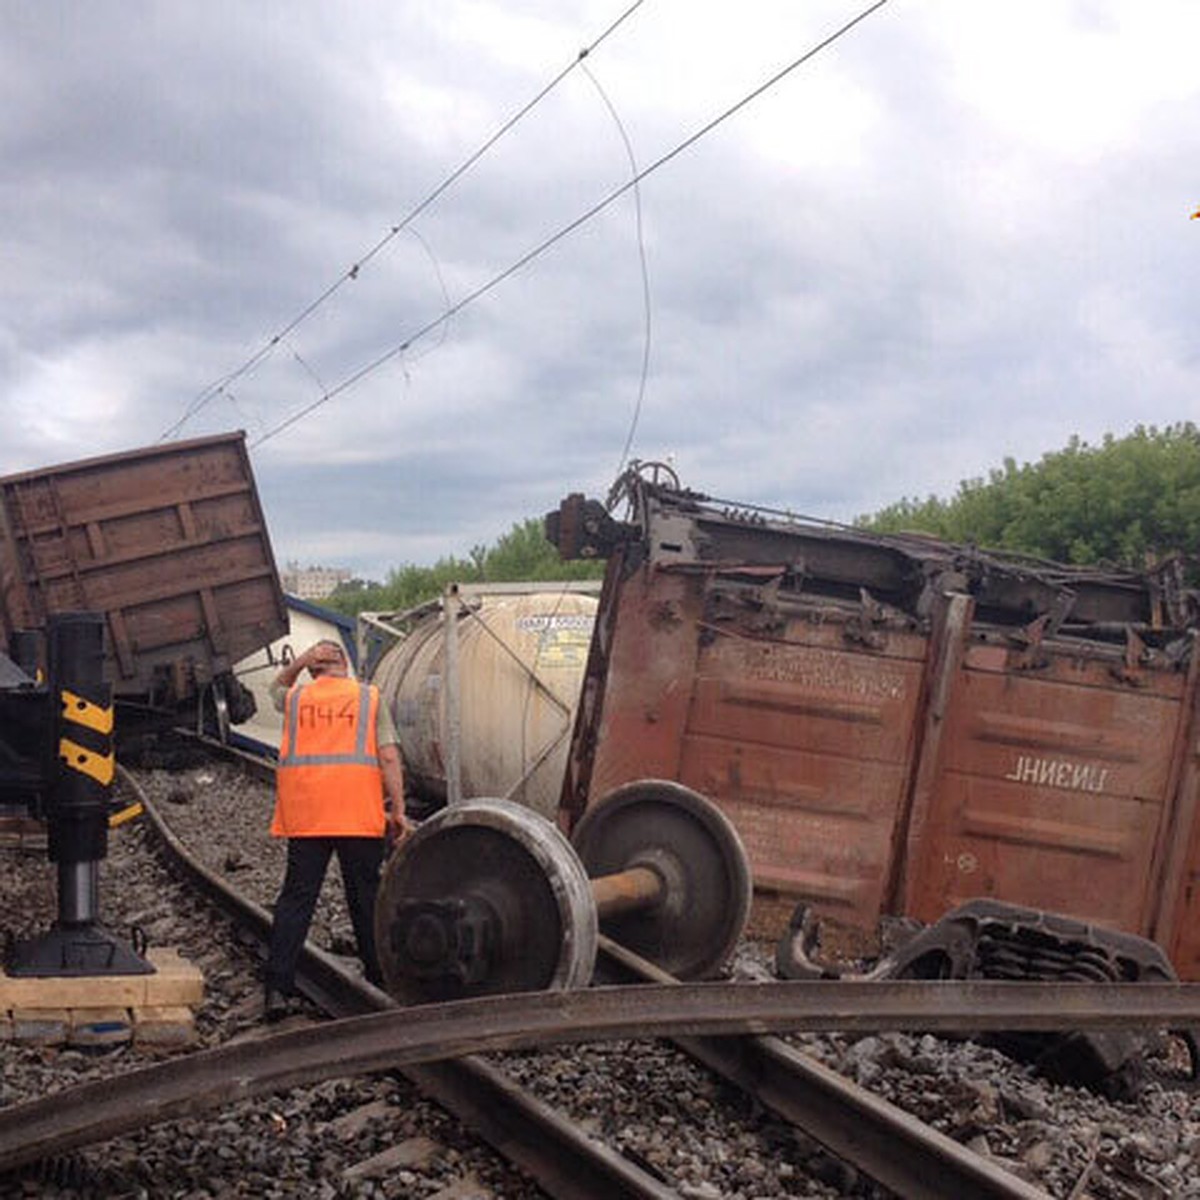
pixel 529 1133
pixel 909 1158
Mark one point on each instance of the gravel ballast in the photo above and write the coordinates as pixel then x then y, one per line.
pixel 377 1137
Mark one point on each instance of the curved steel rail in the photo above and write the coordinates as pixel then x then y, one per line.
pixel 887 1144
pixel 400 1037
pixel 883 1141
pixel 523 1129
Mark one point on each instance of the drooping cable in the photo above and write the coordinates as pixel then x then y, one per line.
pixel 647 312
pixel 571 226
pixel 206 394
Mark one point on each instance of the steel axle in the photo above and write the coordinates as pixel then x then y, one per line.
pixel 488 897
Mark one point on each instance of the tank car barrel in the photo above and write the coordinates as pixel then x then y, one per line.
pixel 483 691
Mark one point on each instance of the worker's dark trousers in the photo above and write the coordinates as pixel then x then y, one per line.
pixel 307 859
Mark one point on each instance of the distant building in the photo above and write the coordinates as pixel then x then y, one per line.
pixel 312 583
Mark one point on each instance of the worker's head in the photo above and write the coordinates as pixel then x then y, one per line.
pixel 328 658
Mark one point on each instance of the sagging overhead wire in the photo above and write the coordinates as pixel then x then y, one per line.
pixel 565 231
pixel 216 387
pixel 647 313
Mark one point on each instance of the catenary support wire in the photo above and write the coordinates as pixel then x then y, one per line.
pixel 589 214
pixel 215 388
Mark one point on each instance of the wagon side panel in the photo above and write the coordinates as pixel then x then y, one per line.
pixel 806 741
pixel 649 680
pixel 791 715
pixel 1050 789
pixel 168 542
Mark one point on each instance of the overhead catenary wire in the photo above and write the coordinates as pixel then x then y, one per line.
pixel 566 230
pixel 198 402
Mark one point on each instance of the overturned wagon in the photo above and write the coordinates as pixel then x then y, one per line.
pixel 896 725
pixel 170 545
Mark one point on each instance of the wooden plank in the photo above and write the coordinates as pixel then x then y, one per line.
pixel 23 833
pixel 175 982
pixel 85 991
pixel 166 1025
pixel 15 823
pixel 96 1028
pixel 41 1026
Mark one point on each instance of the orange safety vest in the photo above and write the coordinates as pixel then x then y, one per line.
pixel 329 783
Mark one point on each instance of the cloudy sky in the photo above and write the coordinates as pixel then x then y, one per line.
pixel 959 233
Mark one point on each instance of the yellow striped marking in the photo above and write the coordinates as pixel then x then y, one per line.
pixel 101 767
pixel 125 814
pixel 84 712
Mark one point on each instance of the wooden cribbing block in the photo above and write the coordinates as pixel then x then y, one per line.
pixel 85 991
pixel 175 981
pixel 41 1026
pixel 164 1025
pixel 12 823
pixel 96 1028
pixel 22 833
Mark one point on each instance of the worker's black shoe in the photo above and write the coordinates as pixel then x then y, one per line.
pixel 276 1006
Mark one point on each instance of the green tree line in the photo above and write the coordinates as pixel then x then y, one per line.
pixel 522 554
pixel 1126 501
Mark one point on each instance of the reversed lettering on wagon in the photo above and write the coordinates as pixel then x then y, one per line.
pixel 817 670
pixel 1058 773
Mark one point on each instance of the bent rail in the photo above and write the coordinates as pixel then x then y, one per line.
pixel 399 1037
pixel 524 1130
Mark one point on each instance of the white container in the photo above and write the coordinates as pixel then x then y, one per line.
pixel 521 659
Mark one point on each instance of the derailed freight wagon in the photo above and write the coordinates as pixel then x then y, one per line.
pixel 169 543
pixel 896 725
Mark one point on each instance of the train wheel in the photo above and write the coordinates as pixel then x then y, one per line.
pixel 693 846
pixel 485 897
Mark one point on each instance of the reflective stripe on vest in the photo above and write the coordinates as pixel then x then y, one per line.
pixel 360 757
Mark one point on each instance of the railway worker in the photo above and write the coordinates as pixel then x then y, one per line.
pixel 340 788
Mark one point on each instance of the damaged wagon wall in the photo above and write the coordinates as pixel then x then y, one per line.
pixel 897 725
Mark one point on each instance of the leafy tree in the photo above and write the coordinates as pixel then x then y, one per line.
pixel 522 554
pixel 1125 501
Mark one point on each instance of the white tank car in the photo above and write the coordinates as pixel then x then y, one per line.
pixel 500 724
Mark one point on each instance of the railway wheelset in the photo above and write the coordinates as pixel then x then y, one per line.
pixel 488 897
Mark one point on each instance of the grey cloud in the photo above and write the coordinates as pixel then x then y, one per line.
pixel 178 183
